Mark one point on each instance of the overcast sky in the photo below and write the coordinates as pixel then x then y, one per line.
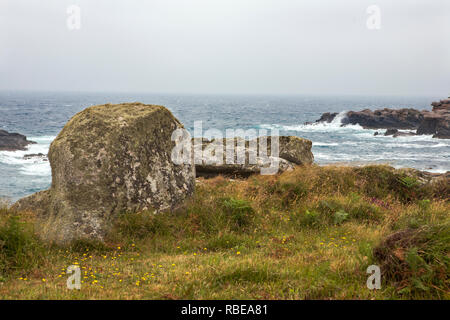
pixel 227 46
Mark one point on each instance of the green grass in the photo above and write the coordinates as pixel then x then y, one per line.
pixel 306 234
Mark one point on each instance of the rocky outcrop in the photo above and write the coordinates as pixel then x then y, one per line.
pixel 13 141
pixel 385 118
pixel 390 132
pixel 31 156
pixel 327 117
pixel 395 133
pixel 296 150
pixel 404 134
pixel 292 151
pixel 435 122
pixel 107 160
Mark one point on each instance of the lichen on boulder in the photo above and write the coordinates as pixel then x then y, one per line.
pixel 107 160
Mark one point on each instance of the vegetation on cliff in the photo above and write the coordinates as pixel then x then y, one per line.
pixel 310 233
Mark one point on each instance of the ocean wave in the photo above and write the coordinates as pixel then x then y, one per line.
pixel 325 144
pixel 32 166
pixel 335 125
pixel 389 156
pixel 37 168
pixel 42 139
pixel 416 145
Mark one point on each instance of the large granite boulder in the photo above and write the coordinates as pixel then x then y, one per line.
pixel 292 151
pixel 13 141
pixel 107 160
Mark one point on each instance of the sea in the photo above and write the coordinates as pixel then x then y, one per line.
pixel 41 115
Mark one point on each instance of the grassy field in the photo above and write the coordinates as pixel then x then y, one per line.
pixel 306 234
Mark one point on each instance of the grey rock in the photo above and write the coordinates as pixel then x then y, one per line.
pixel 35 155
pixel 390 132
pixel 292 151
pixel 13 141
pixel 107 160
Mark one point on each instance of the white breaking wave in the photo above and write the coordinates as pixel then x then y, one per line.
pixel 381 144
pixel 415 145
pixel 325 144
pixel 335 125
pixel 32 166
pixel 338 118
pixel 45 140
pixel 375 157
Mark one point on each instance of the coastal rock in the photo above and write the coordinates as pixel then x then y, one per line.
pixel 327 117
pixel 13 141
pixel 35 155
pixel 390 132
pixel 107 160
pixel 403 134
pixel 296 150
pixel 242 170
pixel 385 118
pixel 292 151
pixel 437 121
pixel 395 133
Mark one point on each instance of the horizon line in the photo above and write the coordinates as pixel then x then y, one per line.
pixel 445 96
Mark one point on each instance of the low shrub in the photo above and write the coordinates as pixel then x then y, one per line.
pixel 239 213
pixel 417 260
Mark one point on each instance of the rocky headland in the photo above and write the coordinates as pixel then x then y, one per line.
pixel 13 141
pixel 435 122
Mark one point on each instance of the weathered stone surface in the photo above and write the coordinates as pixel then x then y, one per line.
pixel 13 141
pixel 110 159
pixel 292 151
pixel 38 202
pixel 296 150
pixel 241 170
